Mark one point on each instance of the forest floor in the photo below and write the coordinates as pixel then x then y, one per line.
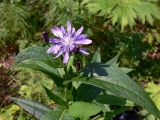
pixel 7 83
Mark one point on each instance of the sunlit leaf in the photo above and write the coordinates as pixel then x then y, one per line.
pixel 115 81
pixel 57 114
pixel 33 107
pixel 83 110
pixel 124 12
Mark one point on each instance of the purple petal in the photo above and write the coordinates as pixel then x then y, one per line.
pixel 83 51
pixel 50 49
pixel 54 40
pixel 69 27
pixel 54 49
pixel 79 32
pixel 83 42
pixel 66 57
pixel 73 30
pixel 57 32
pixel 72 48
pixel 58 54
pixel 63 30
pixel 82 36
pixel 64 48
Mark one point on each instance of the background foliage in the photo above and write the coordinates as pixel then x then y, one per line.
pixel 128 27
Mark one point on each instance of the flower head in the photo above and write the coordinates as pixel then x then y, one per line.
pixel 67 41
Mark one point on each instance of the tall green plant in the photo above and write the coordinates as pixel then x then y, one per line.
pixel 81 92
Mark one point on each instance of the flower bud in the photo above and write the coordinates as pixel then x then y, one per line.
pixel 45 37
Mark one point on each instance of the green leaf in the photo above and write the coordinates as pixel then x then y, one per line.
pixel 45 67
pixel 54 97
pixel 124 12
pixel 34 52
pixel 61 72
pixel 87 93
pixel 125 70
pixel 37 53
pixel 36 58
pixel 94 69
pixel 115 81
pixel 34 108
pixel 83 110
pixel 113 61
pixel 111 100
pixel 96 57
pixel 57 114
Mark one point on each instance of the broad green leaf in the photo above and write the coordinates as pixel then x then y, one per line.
pixel 37 53
pixel 115 81
pixel 34 108
pixel 34 52
pixel 54 97
pixel 111 100
pixel 87 93
pixel 128 90
pixel 83 110
pixel 94 69
pixel 45 67
pixel 57 114
pixel 96 56
pixel 36 58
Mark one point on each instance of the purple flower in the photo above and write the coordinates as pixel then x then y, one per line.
pixel 67 41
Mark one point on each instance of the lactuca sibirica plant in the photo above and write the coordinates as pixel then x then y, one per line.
pixel 85 93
